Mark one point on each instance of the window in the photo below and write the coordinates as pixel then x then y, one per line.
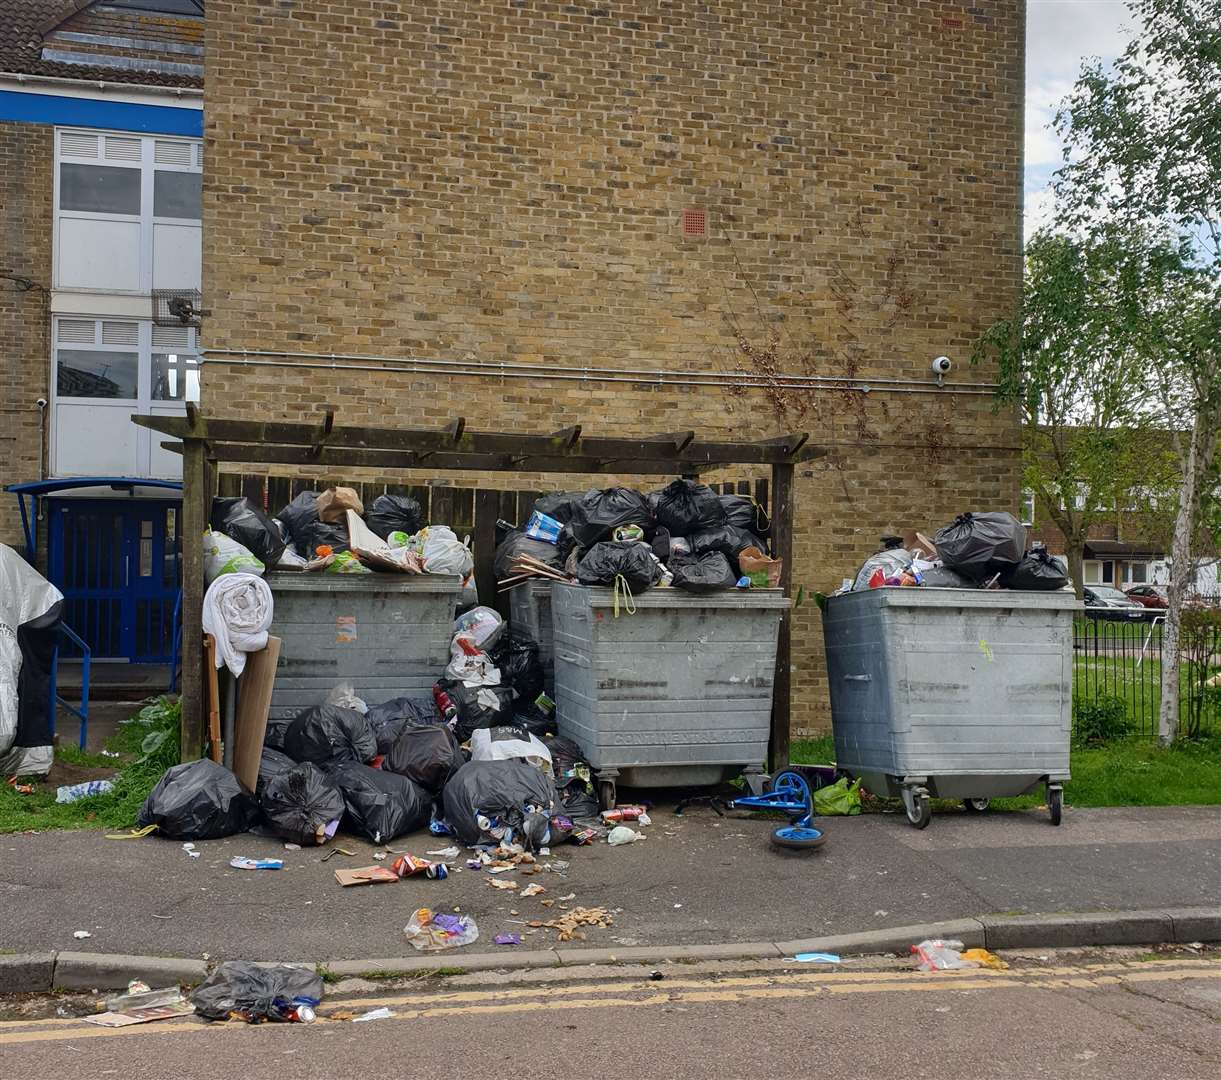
pixel 1027 513
pixel 127 212
pixel 105 370
pixel 1091 571
pixel 1138 573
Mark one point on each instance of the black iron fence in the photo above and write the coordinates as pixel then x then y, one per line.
pixel 1121 662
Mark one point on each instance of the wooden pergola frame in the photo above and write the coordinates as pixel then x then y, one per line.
pixel 205 442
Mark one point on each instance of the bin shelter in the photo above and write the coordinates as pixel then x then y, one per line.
pixel 207 442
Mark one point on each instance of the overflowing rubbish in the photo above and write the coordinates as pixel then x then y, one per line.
pixel 569 924
pixel 237 612
pixel 500 802
pixel 330 735
pixel 272 763
pixel 621 834
pixel 381 805
pixel 199 800
pixel 391 718
pixel 366 875
pixel 410 866
pixel 1037 571
pixel 223 555
pixel 431 931
pixel 979 545
pixel 704 573
pixel 939 955
pixel 394 513
pixel 302 804
pixel 245 522
pixel 482 625
pixel 242 862
pixel 242 990
pixel 507 742
pixel 72 792
pixel 142 1005
pixel 429 756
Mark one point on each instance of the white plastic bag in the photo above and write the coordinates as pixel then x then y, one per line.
pixel 344 695
pixel 938 955
pixel 469 664
pixel 481 623
pixel 224 555
pixel 508 742
pixel 444 553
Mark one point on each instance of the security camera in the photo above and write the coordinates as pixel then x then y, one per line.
pixel 41 403
pixel 942 365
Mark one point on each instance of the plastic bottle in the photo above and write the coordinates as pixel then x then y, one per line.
pixel 72 792
pixel 878 578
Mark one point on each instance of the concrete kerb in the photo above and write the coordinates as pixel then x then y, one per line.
pixel 44 971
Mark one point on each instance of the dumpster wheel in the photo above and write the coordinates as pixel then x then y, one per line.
pixel 976 806
pixel 1055 802
pixel 916 803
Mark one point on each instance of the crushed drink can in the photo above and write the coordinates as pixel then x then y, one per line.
pixel 410 866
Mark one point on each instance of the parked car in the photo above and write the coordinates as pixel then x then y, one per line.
pixel 1149 596
pixel 1105 602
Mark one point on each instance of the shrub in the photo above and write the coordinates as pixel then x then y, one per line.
pixel 1100 721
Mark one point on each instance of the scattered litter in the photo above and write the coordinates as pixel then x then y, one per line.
pixel 380 856
pixel 938 955
pixel 132 834
pixel 189 848
pixel 881 914
pixel 365 875
pixel 110 753
pixel 557 866
pixel 80 935
pixel 815 958
pixel 292 847
pixel 373 1014
pixel 621 834
pixel 336 851
pixel 445 853
pixel 474 864
pixel 677 906
pixel 72 792
pixel 241 862
pixel 656 976
pixel 163 916
pixel 568 923
pixel 547 903
pixel 145 1015
pixel 507 939
pixel 432 931
pixel 503 884
pixel 411 866
pixel 532 890
pixel 985 959
pixel 570 896
pixel 242 990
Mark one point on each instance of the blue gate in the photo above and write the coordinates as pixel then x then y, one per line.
pixel 117 562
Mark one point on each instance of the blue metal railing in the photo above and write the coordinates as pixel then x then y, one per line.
pixel 82 713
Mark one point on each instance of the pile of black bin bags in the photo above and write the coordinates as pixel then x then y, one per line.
pixel 686 530
pixel 381 774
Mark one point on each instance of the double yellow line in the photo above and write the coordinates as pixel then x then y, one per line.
pixel 783 985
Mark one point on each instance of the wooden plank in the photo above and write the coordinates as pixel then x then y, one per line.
pixel 279 494
pixel 743 488
pixel 195 504
pixel 782 548
pixel 253 704
pixel 761 494
pixel 525 505
pixel 464 510
pixel 230 485
pixel 213 687
pixel 255 489
pixel 789 448
pixel 487 506
pixel 507 507
pixel 442 506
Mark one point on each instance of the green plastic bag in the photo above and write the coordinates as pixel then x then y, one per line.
pixel 840 798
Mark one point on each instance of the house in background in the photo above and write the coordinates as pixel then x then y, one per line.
pixel 101 164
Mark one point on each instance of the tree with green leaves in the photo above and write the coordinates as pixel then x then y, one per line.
pixel 1081 390
pixel 1143 153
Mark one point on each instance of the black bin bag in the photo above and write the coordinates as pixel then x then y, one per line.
pixel 276 732
pixel 729 540
pixel 330 735
pixel 558 505
pixel 272 763
pixel 394 513
pixel 600 513
pixel 300 803
pixel 198 800
pixel 297 517
pixel 705 573
pixel 252 990
pixel 249 526
pixel 380 805
pixel 685 507
pixel 744 512
pixel 500 790
pixel 605 562
pixel 520 666
pixel 1037 572
pixel 517 544
pixel 323 534
pixel 980 545
pixel 428 756
pixel 942 577
pixel 474 705
pixel 389 719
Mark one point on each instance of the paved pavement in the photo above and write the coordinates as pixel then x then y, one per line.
pixel 1087 1018
pixel 697 879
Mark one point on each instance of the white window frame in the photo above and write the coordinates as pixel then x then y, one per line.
pixel 148 167
pixel 144 403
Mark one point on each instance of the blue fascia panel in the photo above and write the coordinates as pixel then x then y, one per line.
pixel 92 113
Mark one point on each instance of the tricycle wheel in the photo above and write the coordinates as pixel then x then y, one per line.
pixel 801 837
pixel 976 806
pixel 606 794
pixel 915 802
pixel 1055 802
pixel 796 783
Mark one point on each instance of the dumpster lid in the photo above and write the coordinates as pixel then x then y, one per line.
pixel 322 582
pixel 740 599
pixel 924 597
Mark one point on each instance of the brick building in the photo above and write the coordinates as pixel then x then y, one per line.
pixel 742 218
pixel 100 176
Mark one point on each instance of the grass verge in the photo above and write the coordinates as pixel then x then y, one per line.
pixel 150 742
pixel 1129 772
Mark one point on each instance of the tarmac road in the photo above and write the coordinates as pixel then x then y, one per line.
pixel 1080 1017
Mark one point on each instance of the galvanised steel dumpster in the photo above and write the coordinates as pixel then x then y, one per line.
pixel 952 693
pixel 386 634
pixel 680 693
pixel 530 614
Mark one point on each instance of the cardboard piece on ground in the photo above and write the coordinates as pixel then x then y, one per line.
pixel 375 553
pixel 253 705
pixel 365 875
pixel 210 680
pixel 140 1016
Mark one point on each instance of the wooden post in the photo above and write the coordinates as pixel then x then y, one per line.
pixel 487 507
pixel 782 547
pixel 195 507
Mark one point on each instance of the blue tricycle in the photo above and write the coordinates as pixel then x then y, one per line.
pixel 790 794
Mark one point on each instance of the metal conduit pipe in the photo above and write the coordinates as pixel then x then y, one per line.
pixel 486 369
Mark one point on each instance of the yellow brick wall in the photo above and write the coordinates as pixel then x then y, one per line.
pixel 491 181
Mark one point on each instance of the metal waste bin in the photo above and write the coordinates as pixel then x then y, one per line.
pixel 952 693
pixel 680 693
pixel 386 634
pixel 530 615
